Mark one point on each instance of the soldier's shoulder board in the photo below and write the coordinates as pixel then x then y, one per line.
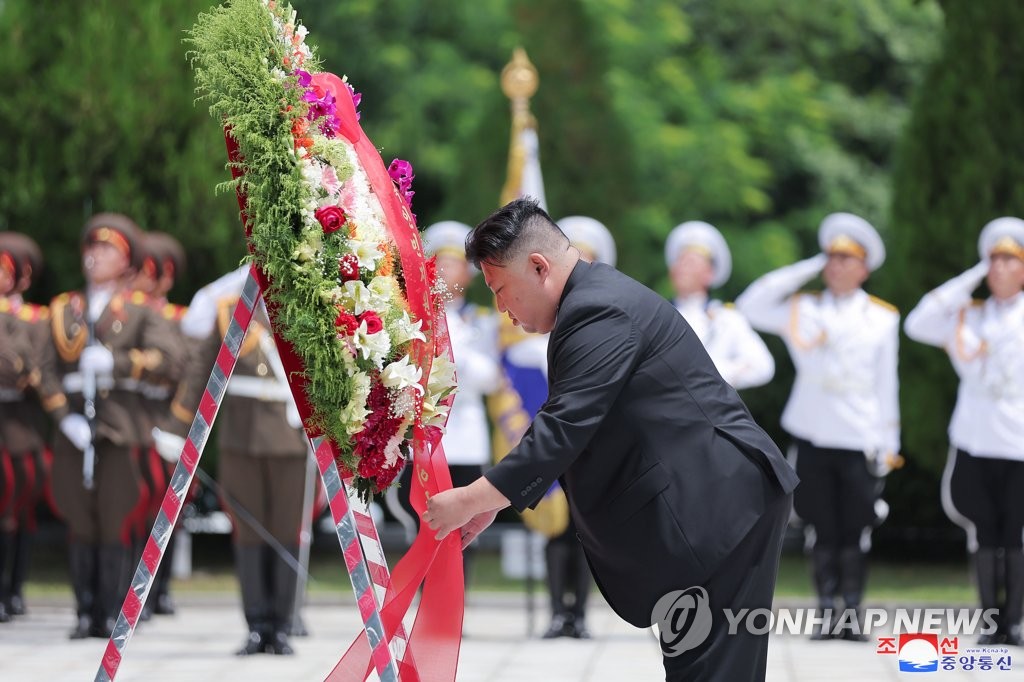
pixel 5 305
pixel 139 298
pixel 174 312
pixel 884 304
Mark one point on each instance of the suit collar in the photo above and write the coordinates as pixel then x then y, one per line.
pixel 578 274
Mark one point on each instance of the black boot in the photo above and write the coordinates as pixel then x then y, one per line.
pixel 825 568
pixel 252 574
pixel 6 554
pixel 853 569
pixel 19 569
pixel 1014 563
pixel 556 556
pixel 283 583
pixel 83 583
pixel 113 565
pixel 986 572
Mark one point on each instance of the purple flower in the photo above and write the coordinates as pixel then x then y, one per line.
pixel 323 110
pixel 304 77
pixel 357 97
pixel 401 173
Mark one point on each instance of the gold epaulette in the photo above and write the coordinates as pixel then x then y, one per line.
pixel 5 305
pixel 33 312
pixel 885 304
pixel 139 298
pixel 730 305
pixel 977 302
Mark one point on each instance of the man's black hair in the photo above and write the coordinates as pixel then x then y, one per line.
pixel 504 233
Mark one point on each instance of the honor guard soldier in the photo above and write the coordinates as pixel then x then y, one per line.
pixel 262 459
pixel 843 411
pixel 698 260
pixel 984 477
pixel 106 339
pixel 473 331
pixel 163 260
pixel 22 425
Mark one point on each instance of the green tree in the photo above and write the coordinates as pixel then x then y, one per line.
pixel 957 168
pixel 99 115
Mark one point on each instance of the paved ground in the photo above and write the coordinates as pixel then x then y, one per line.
pixel 196 644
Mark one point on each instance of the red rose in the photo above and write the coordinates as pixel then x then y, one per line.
pixel 348 267
pixel 373 322
pixel 346 323
pixel 331 218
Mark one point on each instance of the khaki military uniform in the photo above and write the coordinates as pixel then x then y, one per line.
pixel 22 429
pixel 261 469
pixel 141 342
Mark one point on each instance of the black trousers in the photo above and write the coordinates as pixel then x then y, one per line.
pixel 989 492
pixel 836 494
pixel 746 580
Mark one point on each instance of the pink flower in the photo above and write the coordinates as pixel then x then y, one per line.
pixel 329 179
pixel 373 322
pixel 331 218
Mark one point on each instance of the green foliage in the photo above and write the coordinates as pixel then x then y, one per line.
pixel 957 168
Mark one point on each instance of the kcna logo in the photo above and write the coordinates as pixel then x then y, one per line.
pixel 684 620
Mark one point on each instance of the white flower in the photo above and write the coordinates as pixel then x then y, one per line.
pixel 434 413
pixel 405 330
pixel 373 347
pixel 356 297
pixel 442 376
pixel 401 374
pixel 393 450
pixel 354 413
pixel 367 252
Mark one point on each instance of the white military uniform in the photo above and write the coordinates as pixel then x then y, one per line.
pixel 739 354
pixel 984 477
pixel 844 405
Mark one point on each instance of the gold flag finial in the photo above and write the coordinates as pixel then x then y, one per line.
pixel 519 77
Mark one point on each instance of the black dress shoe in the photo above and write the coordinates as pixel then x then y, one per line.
pixel 81 629
pixel 16 607
pixel 578 630
pixel 164 606
pixel 4 615
pixel 255 643
pixel 279 645
pixel 560 627
pixel 102 628
pixel 988 640
pixel 1014 636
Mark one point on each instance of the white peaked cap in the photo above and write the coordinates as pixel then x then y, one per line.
pixel 447 235
pixel 837 226
pixel 996 232
pixel 696 233
pixel 591 235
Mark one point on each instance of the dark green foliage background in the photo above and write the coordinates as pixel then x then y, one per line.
pixel 759 116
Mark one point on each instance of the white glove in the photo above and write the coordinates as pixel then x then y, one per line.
pixel 96 359
pixel 168 445
pixel 76 428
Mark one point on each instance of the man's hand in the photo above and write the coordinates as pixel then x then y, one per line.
pixel 448 510
pixel 476 525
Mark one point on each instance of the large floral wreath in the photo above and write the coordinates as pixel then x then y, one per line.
pixel 374 375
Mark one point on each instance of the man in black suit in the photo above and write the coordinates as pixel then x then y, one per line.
pixel 670 482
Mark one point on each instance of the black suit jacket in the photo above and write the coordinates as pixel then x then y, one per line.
pixel 664 468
